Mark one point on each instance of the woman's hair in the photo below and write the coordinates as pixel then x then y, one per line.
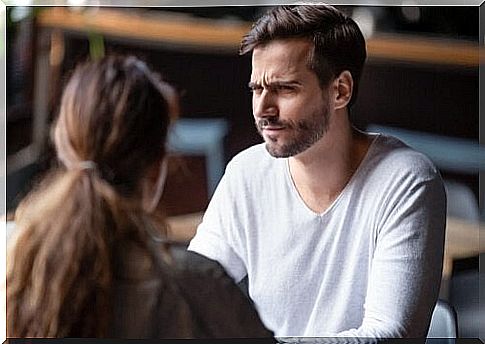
pixel 338 43
pixel 111 131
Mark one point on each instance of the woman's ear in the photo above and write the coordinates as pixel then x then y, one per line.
pixel 344 85
pixel 153 184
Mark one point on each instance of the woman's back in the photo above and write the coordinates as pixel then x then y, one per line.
pixel 183 295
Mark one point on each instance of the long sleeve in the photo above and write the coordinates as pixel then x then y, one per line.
pixel 214 237
pixel 406 267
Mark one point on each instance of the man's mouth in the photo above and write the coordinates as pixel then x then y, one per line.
pixel 273 128
pixel 266 125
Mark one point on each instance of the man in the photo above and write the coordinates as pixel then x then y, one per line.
pixel 339 232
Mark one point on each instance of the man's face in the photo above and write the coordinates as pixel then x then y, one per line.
pixel 290 108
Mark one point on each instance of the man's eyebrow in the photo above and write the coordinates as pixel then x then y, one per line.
pixel 284 83
pixel 274 84
pixel 253 84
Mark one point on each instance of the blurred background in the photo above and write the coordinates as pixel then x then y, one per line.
pixel 421 83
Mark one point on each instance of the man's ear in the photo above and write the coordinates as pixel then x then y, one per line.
pixel 344 85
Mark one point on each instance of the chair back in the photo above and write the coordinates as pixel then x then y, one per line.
pixel 443 321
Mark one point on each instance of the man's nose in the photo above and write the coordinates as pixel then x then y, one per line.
pixel 264 105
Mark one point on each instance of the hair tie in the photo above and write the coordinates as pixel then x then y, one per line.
pixel 86 165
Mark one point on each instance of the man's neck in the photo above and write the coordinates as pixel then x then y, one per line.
pixel 322 171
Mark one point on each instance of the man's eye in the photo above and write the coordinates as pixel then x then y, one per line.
pixel 256 89
pixel 286 89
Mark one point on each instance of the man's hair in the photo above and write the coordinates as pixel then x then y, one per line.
pixel 338 43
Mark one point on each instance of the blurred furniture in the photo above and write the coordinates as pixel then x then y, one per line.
pixel 449 153
pixel 461 202
pixel 190 136
pixel 463 239
pixel 184 30
pixel 183 227
pixel 443 321
pixel 19 182
pixel 204 137
pixel 422 92
pixel 466 295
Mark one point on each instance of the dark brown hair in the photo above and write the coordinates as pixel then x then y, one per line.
pixel 111 130
pixel 338 43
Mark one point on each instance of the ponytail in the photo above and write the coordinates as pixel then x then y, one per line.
pixel 59 273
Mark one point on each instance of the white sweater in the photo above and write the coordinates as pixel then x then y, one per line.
pixel 369 266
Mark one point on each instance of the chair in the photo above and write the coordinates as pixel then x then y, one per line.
pixel 461 202
pixel 452 154
pixel 443 321
pixel 203 136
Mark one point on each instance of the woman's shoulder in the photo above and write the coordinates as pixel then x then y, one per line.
pixel 203 278
pixel 187 262
pixel 213 296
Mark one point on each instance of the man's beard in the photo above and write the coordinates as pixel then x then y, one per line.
pixel 304 133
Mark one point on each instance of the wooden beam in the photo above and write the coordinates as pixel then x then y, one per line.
pixel 425 50
pixel 180 29
pixel 153 27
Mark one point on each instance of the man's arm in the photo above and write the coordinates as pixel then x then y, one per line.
pixel 215 235
pixel 406 268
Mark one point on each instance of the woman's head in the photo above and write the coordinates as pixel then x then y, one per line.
pixel 110 135
pixel 115 113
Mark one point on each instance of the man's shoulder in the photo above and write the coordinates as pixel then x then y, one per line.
pixel 394 158
pixel 251 160
pixel 251 154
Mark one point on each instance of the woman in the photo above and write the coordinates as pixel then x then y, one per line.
pixel 89 259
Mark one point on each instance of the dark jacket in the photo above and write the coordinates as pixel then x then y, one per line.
pixel 178 294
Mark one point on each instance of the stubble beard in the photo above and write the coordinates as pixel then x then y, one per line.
pixel 306 132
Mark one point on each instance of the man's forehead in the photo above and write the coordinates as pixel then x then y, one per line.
pixel 271 77
pixel 287 48
pixel 285 42
pixel 282 58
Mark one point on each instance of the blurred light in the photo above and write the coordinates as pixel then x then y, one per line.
pixel 20 3
pixel 20 12
pixel 76 2
pixel 365 19
pixel 410 12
